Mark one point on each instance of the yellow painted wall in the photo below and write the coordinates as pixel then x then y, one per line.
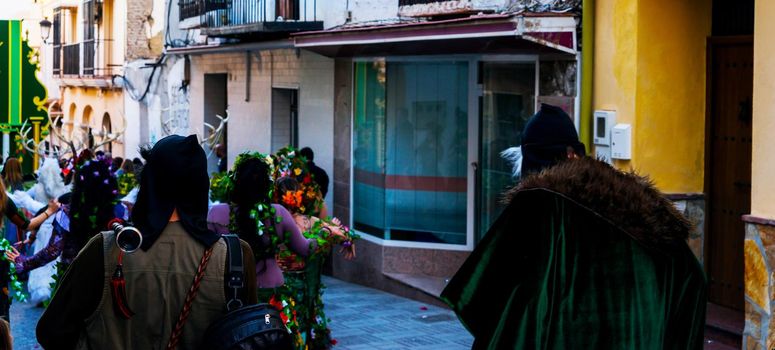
pixel 763 164
pixel 615 72
pixel 100 101
pixel 650 68
pixel 670 140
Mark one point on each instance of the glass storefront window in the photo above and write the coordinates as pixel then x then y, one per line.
pixel 508 101
pixel 410 150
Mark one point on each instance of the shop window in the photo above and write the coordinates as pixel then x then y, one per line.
pixel 410 144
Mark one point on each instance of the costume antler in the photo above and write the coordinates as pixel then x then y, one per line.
pixel 216 134
pixel 36 146
pixel 57 132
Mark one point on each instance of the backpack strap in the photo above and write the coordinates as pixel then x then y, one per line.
pixel 235 273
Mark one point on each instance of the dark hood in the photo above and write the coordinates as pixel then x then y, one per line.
pixel 174 176
pixel 629 201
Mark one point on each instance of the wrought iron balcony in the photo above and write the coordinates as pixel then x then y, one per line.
pixel 250 17
pixel 84 60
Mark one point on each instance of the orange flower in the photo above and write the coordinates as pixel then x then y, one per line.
pixel 293 199
pixel 289 199
pixel 298 196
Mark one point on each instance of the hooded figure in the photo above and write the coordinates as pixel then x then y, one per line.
pixel 91 311
pixel 584 256
pixel 174 177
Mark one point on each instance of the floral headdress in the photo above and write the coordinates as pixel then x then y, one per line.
pixel 307 199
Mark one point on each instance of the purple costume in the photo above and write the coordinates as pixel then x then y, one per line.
pixel 268 273
pixel 61 242
pixel 57 244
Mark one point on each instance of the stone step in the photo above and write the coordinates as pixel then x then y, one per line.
pixel 430 285
pixel 713 345
pixel 723 327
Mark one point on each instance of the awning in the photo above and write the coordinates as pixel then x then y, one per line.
pixel 494 33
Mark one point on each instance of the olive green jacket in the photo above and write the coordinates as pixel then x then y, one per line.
pixel 81 314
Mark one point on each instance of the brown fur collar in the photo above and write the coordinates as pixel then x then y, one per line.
pixel 629 201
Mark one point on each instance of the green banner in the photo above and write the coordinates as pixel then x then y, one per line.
pixel 22 96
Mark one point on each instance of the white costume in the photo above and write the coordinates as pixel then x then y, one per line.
pixel 50 186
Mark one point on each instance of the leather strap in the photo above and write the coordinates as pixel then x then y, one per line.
pixel 190 296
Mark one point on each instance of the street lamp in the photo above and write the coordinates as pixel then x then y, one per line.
pixel 45 29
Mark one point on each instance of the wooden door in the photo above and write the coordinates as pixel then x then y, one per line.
pixel 728 175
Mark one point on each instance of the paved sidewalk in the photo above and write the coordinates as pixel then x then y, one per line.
pixel 361 318
pixel 365 318
pixel 24 317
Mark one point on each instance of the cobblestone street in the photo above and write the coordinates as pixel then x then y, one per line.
pixel 361 318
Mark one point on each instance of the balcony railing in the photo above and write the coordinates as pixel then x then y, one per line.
pixel 190 9
pixel 241 17
pixel 85 59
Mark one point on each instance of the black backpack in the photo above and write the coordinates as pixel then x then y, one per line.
pixel 245 327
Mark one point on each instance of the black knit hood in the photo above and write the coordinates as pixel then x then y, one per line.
pixel 174 177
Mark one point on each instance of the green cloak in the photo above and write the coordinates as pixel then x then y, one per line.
pixel 584 257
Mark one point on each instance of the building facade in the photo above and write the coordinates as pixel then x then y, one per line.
pixel 406 104
pixel 85 51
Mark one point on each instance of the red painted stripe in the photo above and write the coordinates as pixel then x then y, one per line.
pixel 564 39
pixel 412 183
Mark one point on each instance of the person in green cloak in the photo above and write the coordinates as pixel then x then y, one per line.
pixel 583 257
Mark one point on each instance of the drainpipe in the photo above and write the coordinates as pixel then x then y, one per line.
pixel 587 71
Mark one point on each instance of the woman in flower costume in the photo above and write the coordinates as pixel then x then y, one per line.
pixel 297 191
pixel 304 276
pixel 264 226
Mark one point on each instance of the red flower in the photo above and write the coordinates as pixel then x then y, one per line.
pixel 277 305
pixel 307 179
pixel 334 342
pixel 284 317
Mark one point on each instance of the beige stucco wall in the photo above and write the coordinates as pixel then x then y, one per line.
pixel 763 157
pixel 99 101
